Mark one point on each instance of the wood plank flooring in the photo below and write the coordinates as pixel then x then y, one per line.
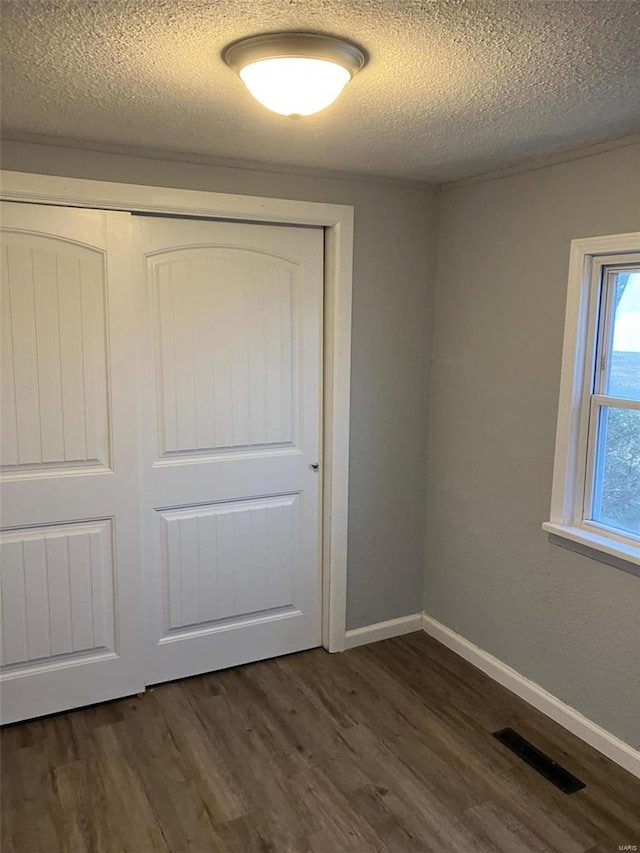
pixel 386 747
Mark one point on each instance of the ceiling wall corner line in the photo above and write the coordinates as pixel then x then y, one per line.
pixel 207 160
pixel 532 165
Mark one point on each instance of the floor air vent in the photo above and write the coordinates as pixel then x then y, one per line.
pixel 540 762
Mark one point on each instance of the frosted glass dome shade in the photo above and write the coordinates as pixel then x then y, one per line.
pixel 295 86
pixel 295 74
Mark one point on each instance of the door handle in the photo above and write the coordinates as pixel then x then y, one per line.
pixel 314 466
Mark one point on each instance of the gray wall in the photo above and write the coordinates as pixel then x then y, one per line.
pixel 568 622
pixel 392 319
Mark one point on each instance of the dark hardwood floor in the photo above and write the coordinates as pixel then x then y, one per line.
pixel 383 748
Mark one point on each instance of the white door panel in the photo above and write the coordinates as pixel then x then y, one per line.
pixel 57 591
pixel 231 429
pixel 54 412
pixel 69 543
pixel 192 390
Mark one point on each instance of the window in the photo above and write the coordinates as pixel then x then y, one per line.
pixel 596 485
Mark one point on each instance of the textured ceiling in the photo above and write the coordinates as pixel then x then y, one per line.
pixel 452 88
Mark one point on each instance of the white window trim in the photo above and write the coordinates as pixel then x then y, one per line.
pixel 570 469
pixel 337 221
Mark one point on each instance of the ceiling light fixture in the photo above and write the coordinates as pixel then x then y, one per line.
pixel 295 74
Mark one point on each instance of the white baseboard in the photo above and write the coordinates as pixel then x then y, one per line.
pixel 383 630
pixel 597 737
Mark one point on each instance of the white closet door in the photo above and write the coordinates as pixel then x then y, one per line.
pixel 230 441
pixel 69 544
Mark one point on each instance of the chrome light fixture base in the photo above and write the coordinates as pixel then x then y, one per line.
pixel 295 45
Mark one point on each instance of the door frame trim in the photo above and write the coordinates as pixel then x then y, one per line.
pixel 337 221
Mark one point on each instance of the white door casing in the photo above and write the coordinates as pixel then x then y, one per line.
pixel 69 543
pixel 337 222
pixel 230 402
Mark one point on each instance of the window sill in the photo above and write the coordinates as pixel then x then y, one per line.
pixel 612 551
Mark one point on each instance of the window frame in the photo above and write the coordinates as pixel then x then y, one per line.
pixel 592 263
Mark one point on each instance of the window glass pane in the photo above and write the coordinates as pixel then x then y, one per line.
pixel 617 470
pixel 624 358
